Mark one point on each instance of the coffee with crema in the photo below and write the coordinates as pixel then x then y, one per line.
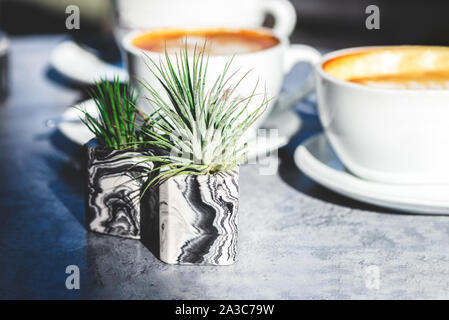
pixel 407 67
pixel 217 42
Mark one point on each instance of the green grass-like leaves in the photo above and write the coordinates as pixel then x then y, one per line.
pixel 200 129
pixel 115 127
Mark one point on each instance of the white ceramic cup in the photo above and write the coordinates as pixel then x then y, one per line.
pixel 385 134
pixel 267 67
pixel 149 14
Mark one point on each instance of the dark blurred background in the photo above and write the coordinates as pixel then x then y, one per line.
pixel 324 23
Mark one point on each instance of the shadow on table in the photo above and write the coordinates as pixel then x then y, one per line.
pixel 69 186
pixel 298 180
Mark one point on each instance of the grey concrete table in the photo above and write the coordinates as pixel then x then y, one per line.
pixel 297 240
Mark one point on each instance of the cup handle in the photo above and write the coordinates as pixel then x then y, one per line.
pixel 300 53
pixel 294 54
pixel 284 14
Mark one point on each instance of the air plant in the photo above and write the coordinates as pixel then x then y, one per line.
pixel 115 125
pixel 199 131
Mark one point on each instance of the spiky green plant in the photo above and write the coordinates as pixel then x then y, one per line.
pixel 200 131
pixel 115 125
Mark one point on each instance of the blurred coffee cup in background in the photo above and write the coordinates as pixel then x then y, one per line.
pixel 149 14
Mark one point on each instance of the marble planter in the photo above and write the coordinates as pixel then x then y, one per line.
pixel 197 219
pixel 114 184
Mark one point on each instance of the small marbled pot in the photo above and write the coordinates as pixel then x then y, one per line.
pixel 197 218
pixel 114 183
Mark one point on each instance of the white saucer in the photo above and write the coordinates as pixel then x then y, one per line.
pixel 82 66
pixel 288 124
pixel 317 160
pixel 74 130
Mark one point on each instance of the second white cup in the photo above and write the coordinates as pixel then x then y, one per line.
pixel 267 66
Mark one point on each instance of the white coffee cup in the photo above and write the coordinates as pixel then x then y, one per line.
pixel 267 67
pixel 390 135
pixel 149 14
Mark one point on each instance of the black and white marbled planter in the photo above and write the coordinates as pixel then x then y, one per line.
pixel 114 184
pixel 197 218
